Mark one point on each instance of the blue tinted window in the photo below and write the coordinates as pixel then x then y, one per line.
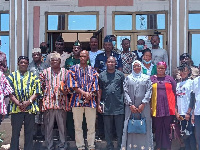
pixel 150 21
pixel 123 22
pixel 161 21
pixel 194 21
pixel 56 22
pixel 141 22
pixel 4 21
pixel 82 22
pixel 195 49
pixel 5 46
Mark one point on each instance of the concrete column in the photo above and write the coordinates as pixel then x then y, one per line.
pixel 178 29
pixel 18 31
pixel 36 26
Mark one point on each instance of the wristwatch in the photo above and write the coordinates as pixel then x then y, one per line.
pixel 30 100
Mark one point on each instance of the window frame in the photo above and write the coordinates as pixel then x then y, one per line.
pixel 135 32
pixel 191 32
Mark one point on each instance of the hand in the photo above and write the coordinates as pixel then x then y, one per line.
pixel 133 109
pixel 64 92
pixel 24 105
pixel 17 103
pixel 187 117
pixel 88 96
pixel 192 119
pixel 178 116
pixel 141 108
pixel 99 109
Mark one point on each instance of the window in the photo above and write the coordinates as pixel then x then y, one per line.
pixel 194 36
pixel 123 22
pixel 4 34
pixel 140 25
pixel 150 21
pixel 72 26
pixel 82 22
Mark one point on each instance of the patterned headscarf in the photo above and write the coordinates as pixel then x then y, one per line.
pixel 162 63
pixel 23 57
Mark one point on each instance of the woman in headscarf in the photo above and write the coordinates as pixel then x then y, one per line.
pixel 163 105
pixel 147 66
pixel 137 90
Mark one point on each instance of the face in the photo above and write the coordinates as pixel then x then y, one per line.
pixel 155 40
pixel 84 56
pixel 76 50
pixel 59 46
pixel 186 60
pixel 55 62
pixel 108 46
pixel 126 44
pixel 184 73
pixel 111 62
pixel 161 70
pixel 43 47
pixel 93 43
pixel 140 42
pixel 23 65
pixel 147 56
pixel 137 68
pixel 36 56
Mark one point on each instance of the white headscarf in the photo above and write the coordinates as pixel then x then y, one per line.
pixel 136 74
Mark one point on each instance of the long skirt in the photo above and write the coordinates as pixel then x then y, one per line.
pixel 162 131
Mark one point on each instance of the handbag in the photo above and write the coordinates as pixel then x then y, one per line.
pixel 137 126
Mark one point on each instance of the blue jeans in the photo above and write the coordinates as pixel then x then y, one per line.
pixel 197 129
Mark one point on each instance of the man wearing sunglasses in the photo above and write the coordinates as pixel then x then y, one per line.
pixel 185 58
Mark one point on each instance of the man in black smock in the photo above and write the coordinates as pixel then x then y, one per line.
pixel 111 94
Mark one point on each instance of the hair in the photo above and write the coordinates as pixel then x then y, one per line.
pixel 146 50
pixel 125 39
pixel 141 40
pixel 155 36
pixel 59 39
pixel 94 37
pixel 183 66
pixel 112 35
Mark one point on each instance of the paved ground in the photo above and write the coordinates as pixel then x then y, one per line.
pixel 39 145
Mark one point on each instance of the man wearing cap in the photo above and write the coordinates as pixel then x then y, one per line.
pixel 186 58
pixel 54 102
pixel 114 40
pixel 75 57
pixel 23 104
pixel 36 67
pixel 59 45
pixel 84 81
pixel 100 61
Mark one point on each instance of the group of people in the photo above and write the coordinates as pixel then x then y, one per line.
pixel 108 86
